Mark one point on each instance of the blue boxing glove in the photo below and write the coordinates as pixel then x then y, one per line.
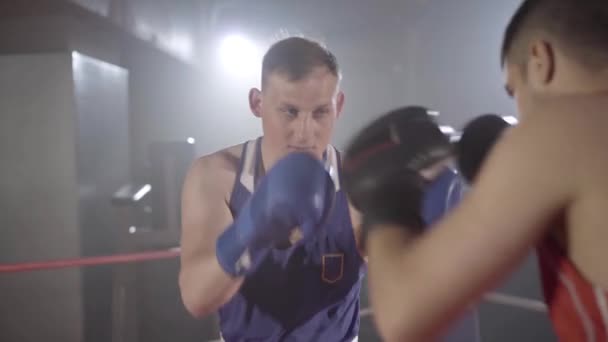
pixel 444 193
pixel 296 192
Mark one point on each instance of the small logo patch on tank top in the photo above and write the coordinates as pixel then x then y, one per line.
pixel 332 268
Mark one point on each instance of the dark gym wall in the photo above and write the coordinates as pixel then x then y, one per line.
pixel 442 54
pixel 60 312
pixel 101 102
pixel 458 49
pixel 39 217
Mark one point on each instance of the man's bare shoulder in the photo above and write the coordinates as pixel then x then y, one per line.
pixel 574 126
pixel 224 160
pixel 579 125
pixel 216 171
pixel 586 119
pixel 573 113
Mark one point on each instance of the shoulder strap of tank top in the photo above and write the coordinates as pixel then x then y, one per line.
pixel 258 166
pixel 250 165
pixel 246 173
pixel 332 165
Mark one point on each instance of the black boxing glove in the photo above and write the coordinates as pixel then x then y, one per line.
pixel 382 164
pixel 477 139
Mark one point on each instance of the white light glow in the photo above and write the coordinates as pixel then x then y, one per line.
pixel 191 140
pixel 143 30
pixel 80 61
pixel 447 129
pixel 142 192
pixel 455 137
pixel 239 55
pixel 432 112
pixel 181 45
pixel 511 120
pixel 132 230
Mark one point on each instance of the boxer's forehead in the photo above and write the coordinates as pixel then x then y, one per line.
pixel 318 87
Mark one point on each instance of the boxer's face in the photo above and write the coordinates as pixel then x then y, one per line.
pixel 298 115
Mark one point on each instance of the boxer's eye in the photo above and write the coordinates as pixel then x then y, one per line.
pixel 292 112
pixel 320 113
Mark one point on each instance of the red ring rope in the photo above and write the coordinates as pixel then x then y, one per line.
pixel 497 298
pixel 90 261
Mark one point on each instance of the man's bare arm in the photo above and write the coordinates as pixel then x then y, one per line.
pixel 418 286
pixel 204 285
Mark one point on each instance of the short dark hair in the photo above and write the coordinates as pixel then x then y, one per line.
pixel 580 27
pixel 296 57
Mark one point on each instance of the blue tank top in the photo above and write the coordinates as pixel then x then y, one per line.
pixel 308 292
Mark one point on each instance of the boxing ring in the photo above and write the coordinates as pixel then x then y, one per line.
pixel 144 254
pixel 62 251
pixel 125 265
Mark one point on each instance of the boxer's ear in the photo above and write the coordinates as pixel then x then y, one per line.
pixel 255 102
pixel 541 64
pixel 339 103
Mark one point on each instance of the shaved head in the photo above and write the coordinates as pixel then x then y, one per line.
pixel 578 27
